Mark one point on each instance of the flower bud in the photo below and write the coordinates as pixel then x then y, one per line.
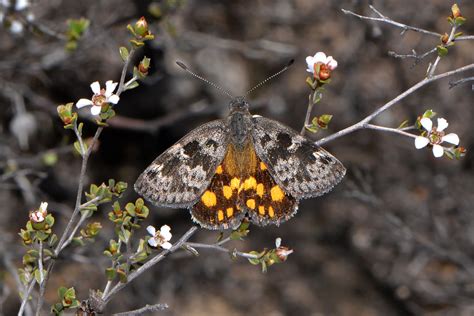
pixel 283 253
pixel 141 27
pixel 455 11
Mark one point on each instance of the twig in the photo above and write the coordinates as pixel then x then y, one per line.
pixel 388 20
pixel 464 38
pixel 432 68
pixel 414 55
pixel 67 237
pixel 41 283
pixel 453 84
pixel 223 249
pixel 390 130
pixel 149 264
pixel 364 122
pixel 308 112
pixel 26 297
pixel 145 309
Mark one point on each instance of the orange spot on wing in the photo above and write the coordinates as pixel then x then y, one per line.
pixel 277 194
pixel 261 210
pixel 219 169
pixel 251 204
pixel 260 189
pixel 230 212
pixel 209 199
pixel 263 166
pixel 271 211
pixel 220 215
pixel 227 191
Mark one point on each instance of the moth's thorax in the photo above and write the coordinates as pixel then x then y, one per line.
pixel 240 127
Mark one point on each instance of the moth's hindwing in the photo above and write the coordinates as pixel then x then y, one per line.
pixel 218 206
pixel 300 167
pixel 242 185
pixel 179 176
pixel 265 201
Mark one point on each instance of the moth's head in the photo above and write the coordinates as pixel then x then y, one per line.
pixel 238 104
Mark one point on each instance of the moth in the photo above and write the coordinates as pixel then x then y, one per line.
pixel 242 166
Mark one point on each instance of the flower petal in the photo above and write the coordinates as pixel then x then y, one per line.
pixel 109 88
pixel 43 206
pixel 21 5
pixel 165 228
pixel 95 110
pixel 438 151
pixel 83 102
pixel 95 87
pixel 16 27
pixel 331 62
pixel 421 142
pixel 152 242
pixel 442 124
pixel 320 57
pixel 278 242
pixel 166 245
pixel 426 123
pixel 151 230
pixel 309 63
pixel 114 99
pixel 451 138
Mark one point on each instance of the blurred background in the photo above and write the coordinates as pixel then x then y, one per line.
pixel 395 237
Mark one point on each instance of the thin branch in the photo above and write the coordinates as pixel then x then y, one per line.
pixel 453 84
pixel 464 38
pixel 149 264
pixel 143 310
pixel 390 130
pixel 432 68
pixel 363 123
pixel 308 113
pixel 388 20
pixel 414 55
pixel 26 296
pixel 41 283
pixel 223 249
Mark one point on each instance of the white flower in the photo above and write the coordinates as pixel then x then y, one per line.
pixel 435 136
pixel 321 58
pixel 281 251
pixel 100 97
pixel 39 215
pixel 160 238
pixel 16 27
pixel 21 5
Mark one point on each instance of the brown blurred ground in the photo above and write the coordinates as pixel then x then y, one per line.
pixel 395 238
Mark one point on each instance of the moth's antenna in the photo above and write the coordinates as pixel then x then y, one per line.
pixel 271 77
pixel 182 65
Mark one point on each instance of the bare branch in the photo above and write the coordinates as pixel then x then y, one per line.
pixel 145 309
pixel 387 20
pixel 132 276
pixel 364 122
pixel 453 84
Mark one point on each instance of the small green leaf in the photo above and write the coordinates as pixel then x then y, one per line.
pixel 132 85
pixel 459 21
pixel 124 53
pixel 50 158
pixel 403 124
pixel 110 273
pixel 442 51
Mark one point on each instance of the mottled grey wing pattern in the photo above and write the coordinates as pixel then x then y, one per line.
pixel 179 176
pixel 299 166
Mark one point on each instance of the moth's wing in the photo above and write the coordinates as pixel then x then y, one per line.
pixel 296 163
pixel 179 176
pixel 264 200
pixel 218 206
